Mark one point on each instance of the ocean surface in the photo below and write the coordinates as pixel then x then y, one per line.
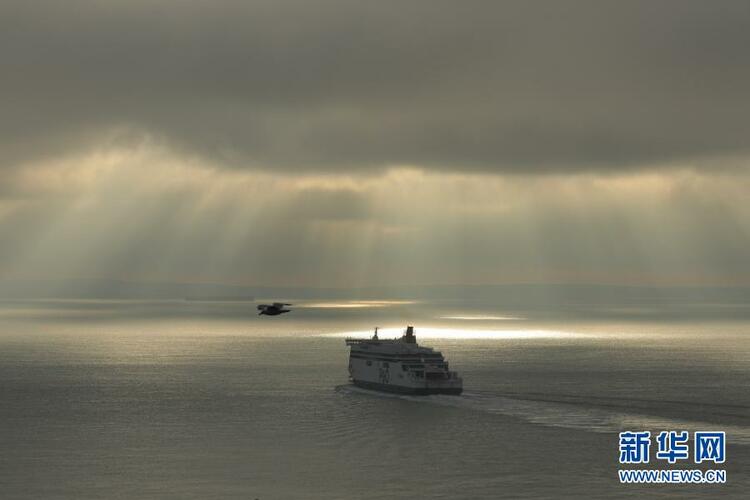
pixel 186 399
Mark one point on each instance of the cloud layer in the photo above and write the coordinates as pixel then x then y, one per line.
pixel 116 216
pixel 331 86
pixel 339 143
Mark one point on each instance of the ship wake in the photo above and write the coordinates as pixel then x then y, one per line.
pixel 591 414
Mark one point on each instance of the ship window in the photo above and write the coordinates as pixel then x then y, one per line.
pixel 385 363
pixel 404 367
pixel 369 363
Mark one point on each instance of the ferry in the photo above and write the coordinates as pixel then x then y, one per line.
pixel 401 366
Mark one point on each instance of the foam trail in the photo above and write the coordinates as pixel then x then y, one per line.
pixel 571 415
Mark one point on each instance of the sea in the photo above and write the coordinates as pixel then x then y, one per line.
pixel 205 399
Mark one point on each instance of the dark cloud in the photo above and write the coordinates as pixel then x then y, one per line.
pixel 520 86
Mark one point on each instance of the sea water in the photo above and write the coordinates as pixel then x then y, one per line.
pixel 195 400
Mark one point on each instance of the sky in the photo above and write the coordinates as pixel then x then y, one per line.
pixel 347 144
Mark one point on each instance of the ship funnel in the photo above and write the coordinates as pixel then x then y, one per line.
pixel 409 335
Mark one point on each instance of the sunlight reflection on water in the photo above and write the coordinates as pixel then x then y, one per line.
pixel 456 333
pixel 484 318
pixel 357 304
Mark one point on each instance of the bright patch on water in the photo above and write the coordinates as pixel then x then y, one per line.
pixel 462 334
pixel 358 304
pixel 483 318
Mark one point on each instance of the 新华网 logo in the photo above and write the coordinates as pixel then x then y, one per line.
pixel 673 447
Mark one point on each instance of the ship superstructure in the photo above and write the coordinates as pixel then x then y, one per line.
pixel 400 365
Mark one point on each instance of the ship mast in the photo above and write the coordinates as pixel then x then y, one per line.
pixel 409 337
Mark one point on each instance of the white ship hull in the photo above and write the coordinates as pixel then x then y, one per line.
pixel 401 389
pixel 401 366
